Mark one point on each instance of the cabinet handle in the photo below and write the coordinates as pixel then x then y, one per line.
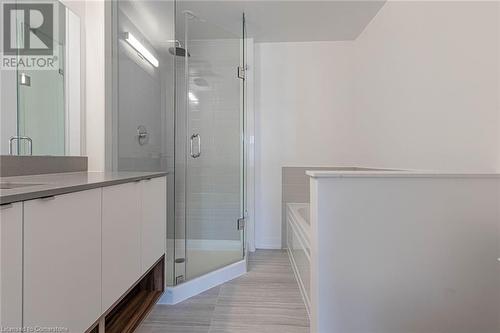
pixel 5 206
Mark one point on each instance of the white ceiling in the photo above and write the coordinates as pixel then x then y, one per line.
pixel 286 21
pixel 267 21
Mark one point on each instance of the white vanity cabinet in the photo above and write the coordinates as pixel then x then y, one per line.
pixel 133 234
pixel 67 259
pixel 11 274
pixel 154 215
pixel 121 240
pixel 62 260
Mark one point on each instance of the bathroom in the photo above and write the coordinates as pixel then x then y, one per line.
pixel 248 166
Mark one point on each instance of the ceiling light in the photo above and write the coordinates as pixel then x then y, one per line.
pixel 193 98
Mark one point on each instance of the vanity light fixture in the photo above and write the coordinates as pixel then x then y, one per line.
pixel 143 51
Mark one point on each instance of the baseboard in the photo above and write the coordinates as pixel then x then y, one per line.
pixel 271 243
pixel 188 289
pixel 265 246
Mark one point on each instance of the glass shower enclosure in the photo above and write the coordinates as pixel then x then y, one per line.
pixel 191 109
pixel 209 152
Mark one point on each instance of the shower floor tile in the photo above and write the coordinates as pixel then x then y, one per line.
pixel 266 299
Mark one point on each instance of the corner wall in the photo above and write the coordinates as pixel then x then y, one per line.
pixel 498 99
pixel 426 93
pixel 95 84
pixel 303 116
pixel 418 89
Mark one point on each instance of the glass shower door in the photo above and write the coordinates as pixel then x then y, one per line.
pixel 214 164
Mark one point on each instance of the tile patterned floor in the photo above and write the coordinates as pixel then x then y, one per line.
pixel 265 300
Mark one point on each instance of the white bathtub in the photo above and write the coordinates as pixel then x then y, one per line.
pixel 298 245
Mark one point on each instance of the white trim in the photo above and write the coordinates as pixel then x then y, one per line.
pixel 295 268
pixel 299 223
pixel 95 83
pixel 269 243
pixel 304 243
pixel 250 146
pixel 302 288
pixel 72 85
pixel 298 227
pixel 111 116
pixel 398 174
pixel 188 289
pixel 213 244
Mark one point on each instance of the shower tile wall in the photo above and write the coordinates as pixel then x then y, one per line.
pixel 145 98
pixel 214 178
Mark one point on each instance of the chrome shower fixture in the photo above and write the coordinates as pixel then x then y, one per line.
pixel 178 50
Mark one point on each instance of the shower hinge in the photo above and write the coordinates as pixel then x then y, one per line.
pixel 241 72
pixel 241 223
pixel 179 279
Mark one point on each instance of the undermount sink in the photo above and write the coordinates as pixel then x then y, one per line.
pixel 10 186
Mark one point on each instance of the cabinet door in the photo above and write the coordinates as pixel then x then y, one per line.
pixel 154 221
pixel 11 270
pixel 121 240
pixel 62 261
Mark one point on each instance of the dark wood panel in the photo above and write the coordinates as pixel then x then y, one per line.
pixel 95 329
pixel 127 315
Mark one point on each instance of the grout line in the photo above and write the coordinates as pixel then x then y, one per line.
pixel 22 266
pixel 101 213
pixel 215 306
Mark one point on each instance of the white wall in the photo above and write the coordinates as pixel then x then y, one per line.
pixel 95 84
pixel 427 87
pixel 498 101
pixel 303 108
pixel 418 89
pixel 427 264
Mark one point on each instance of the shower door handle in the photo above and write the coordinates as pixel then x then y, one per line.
pixel 193 137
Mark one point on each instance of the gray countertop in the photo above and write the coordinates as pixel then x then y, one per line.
pixel 39 186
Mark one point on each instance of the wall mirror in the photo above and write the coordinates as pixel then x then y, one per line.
pixel 40 79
